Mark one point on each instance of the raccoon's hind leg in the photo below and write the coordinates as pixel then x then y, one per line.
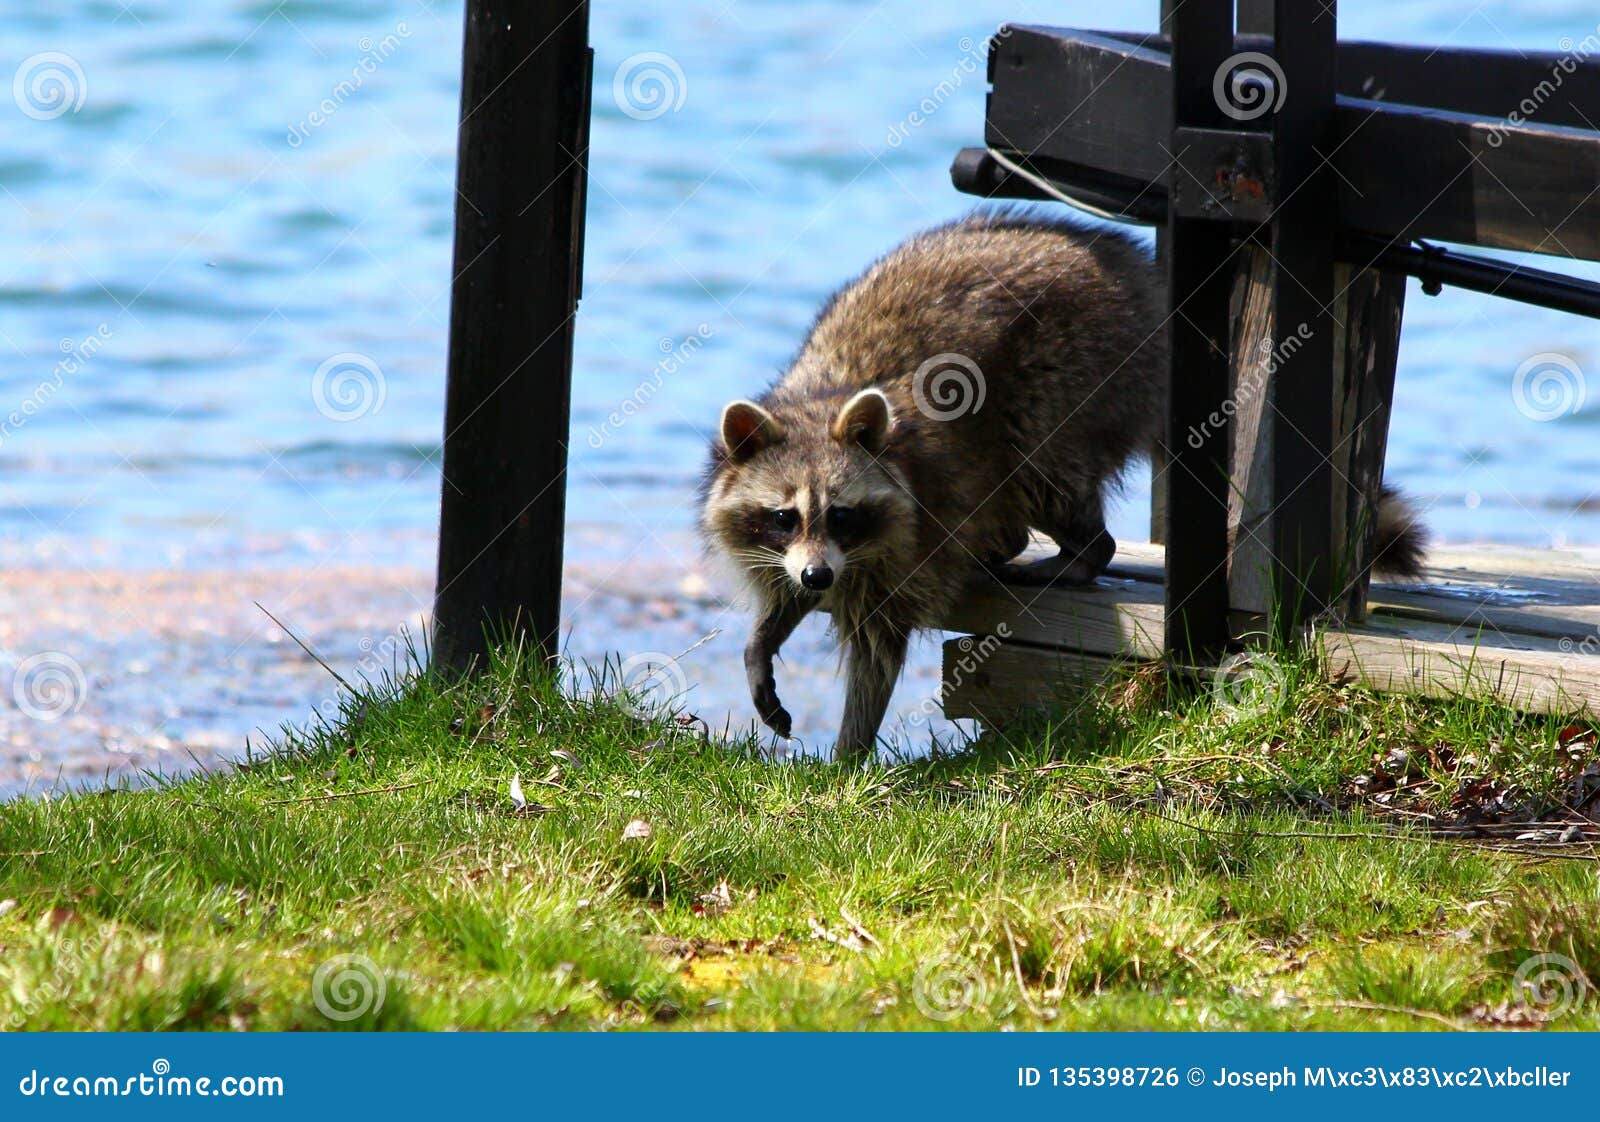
pixel 1078 527
pixel 877 654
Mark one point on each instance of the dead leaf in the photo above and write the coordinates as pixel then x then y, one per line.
pixel 638 828
pixel 715 902
pixel 518 799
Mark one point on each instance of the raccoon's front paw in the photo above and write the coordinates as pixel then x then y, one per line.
pixel 772 712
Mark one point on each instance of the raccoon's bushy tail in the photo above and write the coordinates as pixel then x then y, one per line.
pixel 1401 541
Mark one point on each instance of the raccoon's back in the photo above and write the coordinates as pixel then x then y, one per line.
pixel 1006 293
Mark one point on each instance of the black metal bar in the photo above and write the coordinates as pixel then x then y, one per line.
pixel 518 252
pixel 1200 278
pixel 1435 266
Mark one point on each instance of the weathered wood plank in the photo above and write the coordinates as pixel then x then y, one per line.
pixel 1014 678
pixel 1404 170
pixel 1519 593
pixel 1530 673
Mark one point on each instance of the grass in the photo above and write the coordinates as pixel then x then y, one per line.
pixel 1317 858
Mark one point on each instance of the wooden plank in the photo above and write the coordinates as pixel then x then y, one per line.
pixel 1433 660
pixel 998 681
pixel 518 253
pixel 1519 594
pixel 1110 617
pixel 1404 171
pixel 994 684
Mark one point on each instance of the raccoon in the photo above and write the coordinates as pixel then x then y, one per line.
pixel 986 377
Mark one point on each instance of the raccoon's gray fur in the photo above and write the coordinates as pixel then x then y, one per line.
pixel 984 378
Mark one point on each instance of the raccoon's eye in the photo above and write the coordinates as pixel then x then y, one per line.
pixel 785 520
pixel 842 519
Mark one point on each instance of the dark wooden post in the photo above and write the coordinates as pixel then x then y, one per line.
pixel 1200 277
pixel 518 256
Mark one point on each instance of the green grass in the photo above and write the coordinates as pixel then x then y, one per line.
pixel 1147 859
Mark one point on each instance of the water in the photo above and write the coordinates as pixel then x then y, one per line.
pixel 200 239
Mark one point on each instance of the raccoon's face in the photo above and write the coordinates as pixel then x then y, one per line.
pixel 808 500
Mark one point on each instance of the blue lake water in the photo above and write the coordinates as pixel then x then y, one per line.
pixel 200 237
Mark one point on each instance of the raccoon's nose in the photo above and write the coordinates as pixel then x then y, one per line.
pixel 816 577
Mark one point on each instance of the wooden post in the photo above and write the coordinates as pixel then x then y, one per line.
pixel 518 256
pixel 1366 314
pixel 1158 455
pixel 1304 230
pixel 1199 278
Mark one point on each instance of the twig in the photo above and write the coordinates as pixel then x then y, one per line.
pixel 315 656
pixel 1399 1010
pixel 343 794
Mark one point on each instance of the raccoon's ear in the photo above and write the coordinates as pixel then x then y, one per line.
pixel 747 429
pixel 865 420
